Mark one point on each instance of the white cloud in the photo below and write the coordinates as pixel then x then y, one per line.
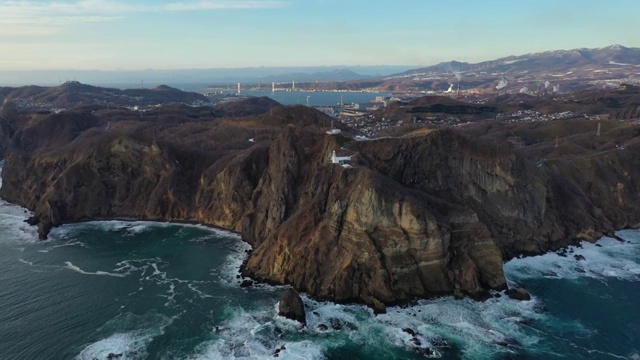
pixel 216 5
pixel 49 17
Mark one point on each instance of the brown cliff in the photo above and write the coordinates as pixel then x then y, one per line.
pixel 412 217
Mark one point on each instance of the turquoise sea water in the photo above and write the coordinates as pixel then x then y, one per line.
pixel 167 291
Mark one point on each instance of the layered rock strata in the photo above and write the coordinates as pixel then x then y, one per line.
pixel 410 217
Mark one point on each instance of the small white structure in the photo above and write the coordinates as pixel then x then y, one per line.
pixel 339 159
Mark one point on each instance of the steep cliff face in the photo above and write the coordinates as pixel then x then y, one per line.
pixel 411 217
pixel 530 207
pixel 353 234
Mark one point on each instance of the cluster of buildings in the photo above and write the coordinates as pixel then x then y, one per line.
pixel 373 123
pixel 530 116
pixel 368 124
pixel 28 104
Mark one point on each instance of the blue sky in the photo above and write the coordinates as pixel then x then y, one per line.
pixel 184 34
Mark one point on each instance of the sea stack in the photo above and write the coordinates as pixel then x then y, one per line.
pixel 292 307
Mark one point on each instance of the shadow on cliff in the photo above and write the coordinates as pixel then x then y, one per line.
pixel 437 213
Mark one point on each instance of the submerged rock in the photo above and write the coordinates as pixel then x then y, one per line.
pixel 339 325
pixel 33 220
pixel 377 306
pixel 458 294
pixel 518 294
pixel 246 283
pixel 426 352
pixel 292 307
pixel 409 331
pixel 336 324
pixel 279 350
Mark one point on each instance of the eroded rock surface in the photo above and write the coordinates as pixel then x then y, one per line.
pixel 412 217
pixel 292 307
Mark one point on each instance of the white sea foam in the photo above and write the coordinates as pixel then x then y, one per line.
pixel 128 345
pixel 152 270
pixel 69 265
pixel 137 228
pixel 608 258
pixel 128 335
pixel 13 226
pixel 131 228
pixel 429 328
pixel 257 335
pixel 26 262
pixel 498 326
pixel 70 243
pixel 229 271
pixel 198 292
pixel 479 330
pixel 12 221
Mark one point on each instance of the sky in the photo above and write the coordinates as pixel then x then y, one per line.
pixel 190 34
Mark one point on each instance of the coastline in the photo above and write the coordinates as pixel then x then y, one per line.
pixel 412 218
pixel 454 328
pixel 247 275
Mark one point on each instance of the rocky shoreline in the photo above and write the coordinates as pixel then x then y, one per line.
pixel 410 217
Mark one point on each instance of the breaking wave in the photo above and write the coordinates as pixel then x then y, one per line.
pixel 247 326
pixel 129 336
pixel 607 258
pixel 437 328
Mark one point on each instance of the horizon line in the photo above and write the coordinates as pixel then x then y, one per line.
pixel 320 66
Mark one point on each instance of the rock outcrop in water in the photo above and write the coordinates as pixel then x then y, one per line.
pixel 292 307
pixel 518 294
pixel 411 217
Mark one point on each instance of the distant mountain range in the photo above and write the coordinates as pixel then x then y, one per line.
pixel 550 71
pixel 548 61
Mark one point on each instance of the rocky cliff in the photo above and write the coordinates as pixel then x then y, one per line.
pixel 410 217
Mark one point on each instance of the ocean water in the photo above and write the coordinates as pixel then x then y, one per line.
pixel 146 290
pixel 318 98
